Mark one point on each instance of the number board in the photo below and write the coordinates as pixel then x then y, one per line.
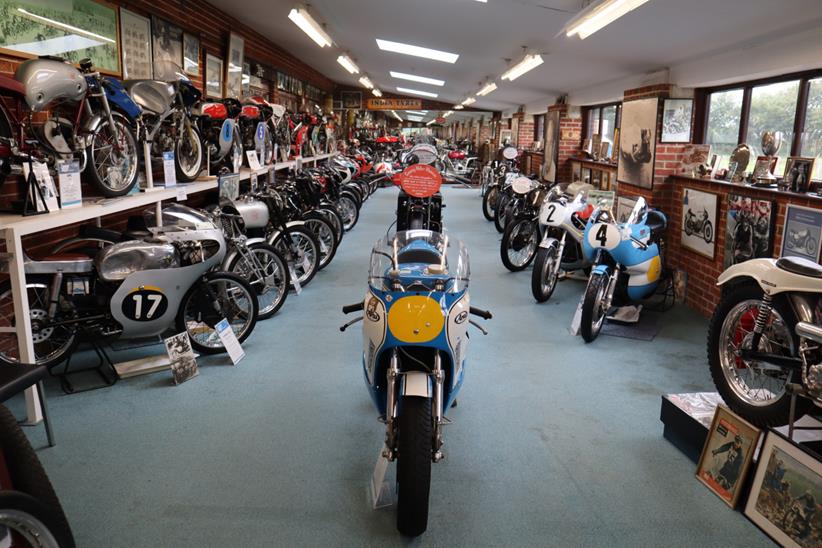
pixel 552 214
pixel 604 236
pixel 145 304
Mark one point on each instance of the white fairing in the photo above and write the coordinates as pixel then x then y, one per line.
pixel 458 333
pixel 771 278
pixel 373 331
pixel 554 213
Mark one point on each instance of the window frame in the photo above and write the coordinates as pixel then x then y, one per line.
pixel 586 117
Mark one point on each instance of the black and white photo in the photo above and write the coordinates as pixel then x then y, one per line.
pixel 213 77
pixel 699 221
pixel 234 67
pixel 638 142
pixel 550 153
pixel 748 229
pixel 677 115
pixel 168 49
pixel 135 36
pixel 191 54
pixel 798 173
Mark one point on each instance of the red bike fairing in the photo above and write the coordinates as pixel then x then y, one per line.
pixel 216 111
pixel 250 111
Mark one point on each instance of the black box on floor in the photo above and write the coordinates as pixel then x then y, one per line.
pixel 687 418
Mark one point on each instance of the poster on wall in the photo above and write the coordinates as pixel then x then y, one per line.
pixel 676 120
pixel 35 28
pixel 802 233
pixel 191 54
pixel 234 67
pixel 748 229
pixel 549 168
pixel 692 157
pixel 168 49
pixel 351 100
pixel 135 35
pixel 213 77
pixel 625 205
pixel 699 221
pixel 637 144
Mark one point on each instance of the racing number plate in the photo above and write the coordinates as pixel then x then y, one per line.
pixel 604 236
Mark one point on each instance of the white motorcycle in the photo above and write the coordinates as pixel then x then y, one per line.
pixel 766 333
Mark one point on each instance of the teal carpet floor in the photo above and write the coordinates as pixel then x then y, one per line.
pixel 554 442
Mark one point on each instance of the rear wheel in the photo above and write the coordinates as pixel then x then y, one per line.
pixel 499 212
pixel 113 161
pixel 413 465
pixel 267 272
pixel 332 215
pixel 489 201
pixel 593 307
pixel 708 232
pixel 303 253
pixel 326 237
pixel 350 211
pixel 519 244
pixel 545 273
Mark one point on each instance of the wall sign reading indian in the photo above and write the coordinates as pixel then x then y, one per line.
pixel 638 142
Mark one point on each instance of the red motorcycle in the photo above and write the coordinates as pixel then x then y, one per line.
pixel 217 123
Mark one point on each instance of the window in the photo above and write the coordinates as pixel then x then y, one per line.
pixel 608 122
pixel 811 142
pixel 602 120
pixel 773 108
pixel 724 118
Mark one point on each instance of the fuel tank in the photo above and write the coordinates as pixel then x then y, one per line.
pixel 253 211
pixel 153 95
pixel 116 262
pixel 48 81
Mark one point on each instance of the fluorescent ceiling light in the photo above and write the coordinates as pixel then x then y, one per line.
pixel 417 51
pixel 599 15
pixel 431 122
pixel 420 79
pixel 348 64
pixel 528 63
pixel 366 82
pixel 420 112
pixel 300 16
pixel 376 92
pixel 458 107
pixel 417 92
pixel 413 118
pixel 487 89
pixel 483 1
pixel 397 116
pixel 447 114
pixel 64 26
pixel 469 101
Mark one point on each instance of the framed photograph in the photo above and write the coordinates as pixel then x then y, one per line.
pixel 604 150
pixel 763 166
pixel 625 205
pixel 748 229
pixel 30 29
pixel 351 100
pixel 135 37
pixel 637 146
pixel 576 172
pixel 699 221
pixel 798 172
pixel 786 491
pixel 727 455
pixel 234 66
pixel 692 157
pixel 191 54
pixel 168 49
pixel 677 118
pixel 505 137
pixel 615 149
pixel 802 233
pixel 549 171
pixel 213 77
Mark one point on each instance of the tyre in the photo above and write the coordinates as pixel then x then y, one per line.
pixel 32 509
pixel 350 211
pixel 519 244
pixel 545 273
pixel 188 155
pixel 413 465
pixel 235 156
pixel 267 272
pixel 489 200
pixel 810 247
pixel 755 393
pixel 593 314
pixel 332 215
pixel 499 212
pixel 113 162
pixel 708 232
pixel 305 258
pixel 326 237
pixel 52 345
pixel 218 296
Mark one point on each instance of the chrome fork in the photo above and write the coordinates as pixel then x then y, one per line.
pixel 390 406
pixel 439 377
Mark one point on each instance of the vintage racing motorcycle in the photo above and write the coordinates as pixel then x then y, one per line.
pixel 699 225
pixel 521 237
pixel 133 289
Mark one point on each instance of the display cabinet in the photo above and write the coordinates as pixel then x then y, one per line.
pixel 600 174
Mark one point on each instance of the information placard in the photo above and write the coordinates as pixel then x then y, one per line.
pixel 71 194
pixel 169 171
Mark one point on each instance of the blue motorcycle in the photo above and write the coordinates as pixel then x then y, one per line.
pixel 414 346
pixel 627 262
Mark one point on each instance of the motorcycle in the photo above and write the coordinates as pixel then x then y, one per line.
pixel 217 124
pixel 254 131
pixel 414 354
pixel 766 333
pixel 521 237
pixel 88 120
pixel 134 289
pixel 700 226
pixel 802 241
pixel 562 224
pixel 627 259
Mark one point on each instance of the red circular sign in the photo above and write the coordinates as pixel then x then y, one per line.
pixel 420 180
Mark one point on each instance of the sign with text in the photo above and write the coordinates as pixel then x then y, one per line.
pixel 419 180
pixel 393 103
pixel 169 171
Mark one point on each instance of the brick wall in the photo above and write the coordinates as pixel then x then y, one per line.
pixel 570 143
pixel 525 132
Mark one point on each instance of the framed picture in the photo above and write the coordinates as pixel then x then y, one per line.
pixel 505 137
pixel 802 233
pixel 798 172
pixel 748 229
pixel 234 66
pixel 549 170
pixel 763 166
pixel 191 54
pixel 351 100
pixel 576 172
pixel 168 49
pixel 31 29
pixel 615 149
pixel 213 77
pixel 135 37
pixel 699 221
pixel 604 150
pixel 637 145
pixel 727 455
pixel 677 117
pixel 692 157
pixel 786 490
pixel 625 205
pixel 596 145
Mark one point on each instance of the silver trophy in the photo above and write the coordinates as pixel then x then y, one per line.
pixel 771 143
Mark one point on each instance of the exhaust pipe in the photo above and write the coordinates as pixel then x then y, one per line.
pixel 809 331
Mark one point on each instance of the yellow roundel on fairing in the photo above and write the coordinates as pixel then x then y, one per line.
pixel 654 269
pixel 415 319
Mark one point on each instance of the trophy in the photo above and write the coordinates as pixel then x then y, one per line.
pixel 771 142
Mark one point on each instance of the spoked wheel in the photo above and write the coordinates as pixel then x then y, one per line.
pixel 267 272
pixel 755 390
pixel 332 215
pixel 188 156
pixel 413 465
pixel 545 273
pixel 113 160
pixel 326 237
pixel 593 307
pixel 519 244
pixel 489 202
pixel 220 295
pixel 350 211
pixel 52 344
pixel 499 212
pixel 305 258
pixel 235 157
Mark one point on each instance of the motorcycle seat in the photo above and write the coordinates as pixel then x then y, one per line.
pixel 656 222
pixel 800 266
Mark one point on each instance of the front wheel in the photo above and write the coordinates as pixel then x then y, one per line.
pixel 593 307
pixel 350 211
pixel 489 201
pixel 113 160
pixel 545 273
pixel 220 295
pixel 499 212
pixel 519 244
pixel 413 465
pixel 326 237
pixel 267 272
pixel 188 155
pixel 302 252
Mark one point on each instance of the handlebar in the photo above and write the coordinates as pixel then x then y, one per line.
pixel 349 308
pixel 484 314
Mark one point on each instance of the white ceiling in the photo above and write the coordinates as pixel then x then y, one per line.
pixel 486 36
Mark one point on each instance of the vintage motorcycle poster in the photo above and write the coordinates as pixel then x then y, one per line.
pixel 698 231
pixel 748 229
pixel 802 233
pixel 183 359
pixel 638 143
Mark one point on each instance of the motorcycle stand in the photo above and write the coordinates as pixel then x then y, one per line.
pixel 796 390
pixel 104 369
pixel 380 491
